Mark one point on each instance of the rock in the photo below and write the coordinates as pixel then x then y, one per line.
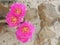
pixel 33 17
pixel 47 13
pixel 1 27
pixel 3 10
pixel 8 39
pixel 46 33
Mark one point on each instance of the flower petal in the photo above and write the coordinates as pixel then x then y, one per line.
pixel 22 35
pixel 12 20
pixel 18 9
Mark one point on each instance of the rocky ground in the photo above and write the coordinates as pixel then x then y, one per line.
pixel 45 16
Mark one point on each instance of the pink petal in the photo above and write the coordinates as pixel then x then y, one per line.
pixel 8 20
pixel 24 37
pixel 20 6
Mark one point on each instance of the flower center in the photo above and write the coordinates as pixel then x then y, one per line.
pixel 25 29
pixel 13 19
pixel 18 11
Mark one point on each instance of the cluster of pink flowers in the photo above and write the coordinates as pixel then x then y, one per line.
pixel 16 14
pixel 15 17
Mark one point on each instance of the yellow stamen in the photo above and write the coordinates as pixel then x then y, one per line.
pixel 25 29
pixel 13 19
pixel 18 11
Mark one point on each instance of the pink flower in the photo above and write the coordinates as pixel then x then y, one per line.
pixel 24 32
pixel 18 9
pixel 12 20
